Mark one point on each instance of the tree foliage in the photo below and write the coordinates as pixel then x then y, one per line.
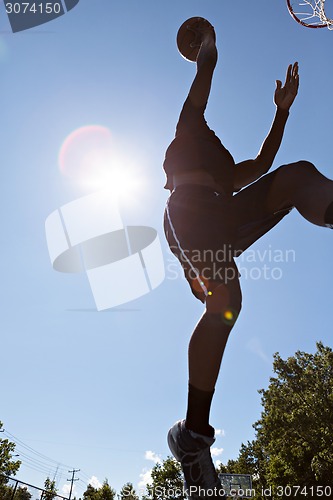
pixel 50 491
pixel 8 466
pixel 22 493
pixel 128 492
pixel 90 493
pixel 105 492
pixel 293 444
pixel 167 481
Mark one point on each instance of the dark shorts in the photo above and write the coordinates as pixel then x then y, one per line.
pixel 206 229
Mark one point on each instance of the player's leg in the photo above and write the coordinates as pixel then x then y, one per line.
pixel 190 439
pixel 200 235
pixel 301 185
pixel 196 233
pixel 206 348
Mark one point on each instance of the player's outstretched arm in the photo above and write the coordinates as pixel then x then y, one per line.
pixel 250 170
pixel 206 62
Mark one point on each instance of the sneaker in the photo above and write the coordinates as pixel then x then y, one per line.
pixel 192 450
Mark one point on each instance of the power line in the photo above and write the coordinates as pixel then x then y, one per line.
pixel 44 457
pixel 45 465
pixel 41 463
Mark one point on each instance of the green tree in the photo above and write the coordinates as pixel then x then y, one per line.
pixel 22 494
pixel 90 493
pixel 8 466
pixel 293 444
pixel 106 492
pixel 128 492
pixel 6 492
pixel 167 481
pixel 50 491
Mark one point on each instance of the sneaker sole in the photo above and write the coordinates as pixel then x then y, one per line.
pixel 172 442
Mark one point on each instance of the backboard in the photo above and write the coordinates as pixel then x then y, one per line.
pixel 237 485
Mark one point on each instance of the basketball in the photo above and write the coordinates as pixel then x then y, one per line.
pixel 186 37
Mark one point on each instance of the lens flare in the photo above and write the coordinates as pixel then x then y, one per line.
pixel 86 154
pixel 90 157
pixel 229 317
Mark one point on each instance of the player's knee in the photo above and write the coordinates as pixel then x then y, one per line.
pixel 299 168
pixel 224 303
pixel 295 175
pixel 306 166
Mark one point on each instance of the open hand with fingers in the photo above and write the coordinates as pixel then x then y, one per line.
pixel 285 95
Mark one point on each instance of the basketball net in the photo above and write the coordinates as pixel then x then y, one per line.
pixel 310 13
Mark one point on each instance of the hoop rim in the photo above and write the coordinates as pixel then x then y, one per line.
pixel 303 23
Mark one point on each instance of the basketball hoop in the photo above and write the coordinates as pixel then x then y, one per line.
pixel 237 485
pixel 310 13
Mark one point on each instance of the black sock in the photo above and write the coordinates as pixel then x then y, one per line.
pixel 329 215
pixel 198 409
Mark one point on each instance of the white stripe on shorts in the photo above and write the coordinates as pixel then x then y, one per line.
pixel 197 275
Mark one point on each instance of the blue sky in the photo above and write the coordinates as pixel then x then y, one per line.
pixel 98 391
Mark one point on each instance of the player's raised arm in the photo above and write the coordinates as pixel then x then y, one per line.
pixel 206 62
pixel 250 170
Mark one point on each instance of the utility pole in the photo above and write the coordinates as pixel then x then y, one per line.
pixel 72 481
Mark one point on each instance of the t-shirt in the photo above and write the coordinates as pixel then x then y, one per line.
pixel 196 146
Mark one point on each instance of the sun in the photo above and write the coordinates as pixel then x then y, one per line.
pixel 119 177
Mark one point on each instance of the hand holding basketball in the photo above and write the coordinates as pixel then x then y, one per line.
pixel 192 34
pixel 285 96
